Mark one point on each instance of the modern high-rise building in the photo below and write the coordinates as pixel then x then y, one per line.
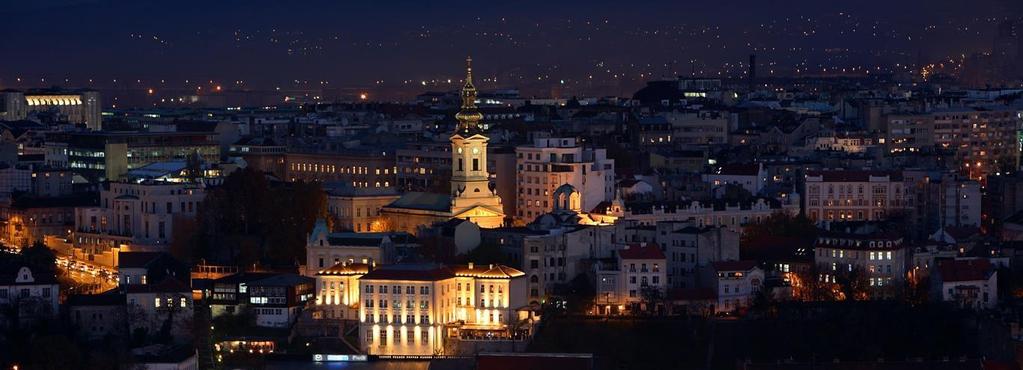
pixel 106 155
pixel 976 142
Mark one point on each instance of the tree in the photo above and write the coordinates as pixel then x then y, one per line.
pixel 780 224
pixel 172 324
pixel 246 220
pixel 809 286
pixel 194 167
pixel 39 258
pixel 853 284
pixel 578 294
pixel 183 237
pixel 735 193
pixel 917 289
pixel 763 304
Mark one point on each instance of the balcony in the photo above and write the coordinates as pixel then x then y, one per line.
pixel 561 168
pixel 109 234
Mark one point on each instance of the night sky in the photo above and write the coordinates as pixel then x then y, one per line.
pixel 600 46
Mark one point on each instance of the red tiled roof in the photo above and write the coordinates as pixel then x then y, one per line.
pixel 417 272
pixel 734 265
pixel 965 270
pixel 493 271
pixel 641 252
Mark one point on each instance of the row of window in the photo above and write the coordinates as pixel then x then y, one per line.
pixel 397 304
pixel 396 289
pixel 267 300
pixel 410 337
pixel 268 311
pixel 396 319
pixel 24 292
pixel 873 256
pixel 157 302
pixel 643 267
pixel 643 281
pixel 329 168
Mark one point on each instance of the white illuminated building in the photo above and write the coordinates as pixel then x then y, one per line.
pixel 426 310
pixel 76 106
pixel 337 290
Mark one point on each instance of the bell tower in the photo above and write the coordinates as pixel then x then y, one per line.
pixel 470 179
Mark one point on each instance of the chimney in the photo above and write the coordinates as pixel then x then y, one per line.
pixel 471 265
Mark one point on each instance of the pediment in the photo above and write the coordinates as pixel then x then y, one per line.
pixel 479 211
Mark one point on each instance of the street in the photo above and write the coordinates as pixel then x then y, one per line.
pixel 95 279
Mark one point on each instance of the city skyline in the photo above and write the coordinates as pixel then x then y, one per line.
pixel 572 48
pixel 591 185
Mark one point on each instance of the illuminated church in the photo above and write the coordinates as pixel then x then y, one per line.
pixel 472 197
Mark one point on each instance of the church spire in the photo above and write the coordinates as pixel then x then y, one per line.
pixel 468 75
pixel 469 117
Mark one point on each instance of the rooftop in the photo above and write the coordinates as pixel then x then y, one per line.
pixel 423 201
pixel 343 268
pixel 965 270
pixel 641 252
pixel 853 175
pixel 734 265
pixel 416 272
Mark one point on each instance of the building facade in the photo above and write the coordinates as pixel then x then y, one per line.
pixel 135 216
pixel 106 155
pixel 425 310
pixel 845 195
pixel 551 163
pixel 978 142
pixel 635 283
pixel 880 257
pixel 73 106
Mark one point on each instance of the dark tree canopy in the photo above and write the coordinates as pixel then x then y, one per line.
pixel 247 220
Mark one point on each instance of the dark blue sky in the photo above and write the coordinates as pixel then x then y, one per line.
pixel 521 43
